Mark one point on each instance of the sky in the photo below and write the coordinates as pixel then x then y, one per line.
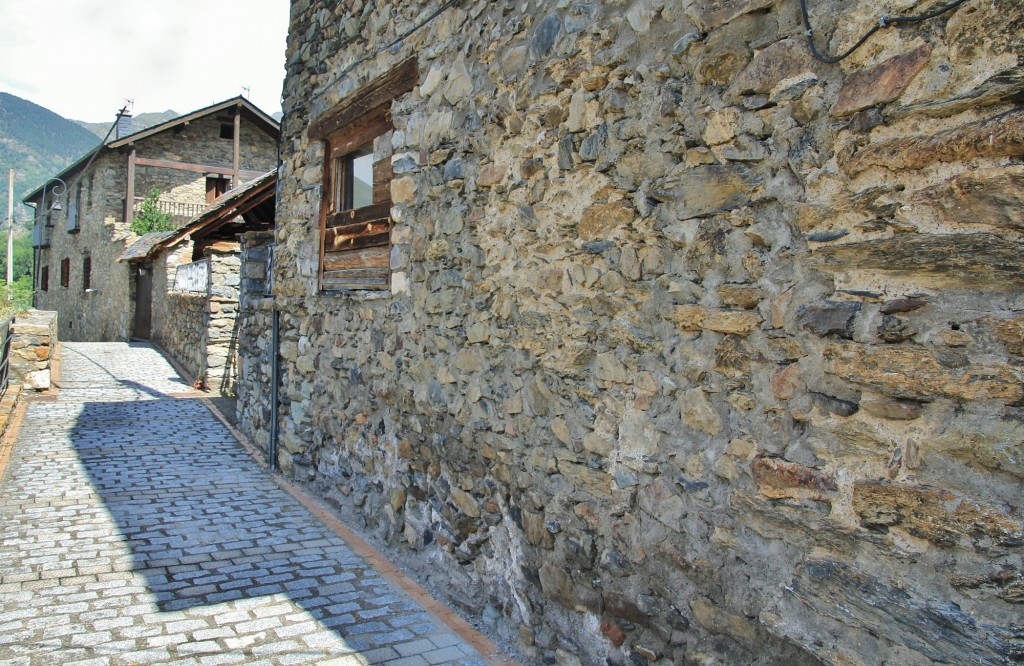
pixel 82 59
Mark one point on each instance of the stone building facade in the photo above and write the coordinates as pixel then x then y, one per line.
pixel 197 327
pixel 693 349
pixel 197 274
pixel 188 160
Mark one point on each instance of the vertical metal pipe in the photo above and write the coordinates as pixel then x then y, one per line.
pixel 275 331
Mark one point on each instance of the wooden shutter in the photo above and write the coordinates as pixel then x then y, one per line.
pixel 355 244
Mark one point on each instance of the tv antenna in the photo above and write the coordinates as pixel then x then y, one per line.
pixel 129 104
pixel 247 90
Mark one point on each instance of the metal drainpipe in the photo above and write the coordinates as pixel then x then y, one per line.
pixel 275 330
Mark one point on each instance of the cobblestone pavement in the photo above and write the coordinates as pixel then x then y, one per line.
pixel 135 530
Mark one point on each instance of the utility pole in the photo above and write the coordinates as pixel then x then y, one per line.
pixel 10 229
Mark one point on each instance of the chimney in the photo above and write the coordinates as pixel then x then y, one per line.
pixel 124 125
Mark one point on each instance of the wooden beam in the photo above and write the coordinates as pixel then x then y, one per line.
pixel 198 168
pixel 129 196
pixel 382 90
pixel 235 157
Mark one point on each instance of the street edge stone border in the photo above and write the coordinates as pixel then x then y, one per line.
pixel 10 436
pixel 374 557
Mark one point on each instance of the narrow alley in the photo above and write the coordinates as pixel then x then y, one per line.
pixel 135 529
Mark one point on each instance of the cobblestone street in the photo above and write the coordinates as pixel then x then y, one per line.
pixel 134 529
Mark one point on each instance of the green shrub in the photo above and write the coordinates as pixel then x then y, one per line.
pixel 149 218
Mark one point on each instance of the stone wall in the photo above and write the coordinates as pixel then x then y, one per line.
pixel 33 341
pixel 179 317
pixel 222 325
pixel 198 329
pixel 103 312
pixel 697 350
pixel 255 322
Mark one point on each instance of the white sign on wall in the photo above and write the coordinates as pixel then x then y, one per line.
pixel 193 277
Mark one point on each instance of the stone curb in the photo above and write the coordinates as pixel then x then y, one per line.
pixel 374 557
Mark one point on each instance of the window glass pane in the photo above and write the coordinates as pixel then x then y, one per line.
pixel 362 177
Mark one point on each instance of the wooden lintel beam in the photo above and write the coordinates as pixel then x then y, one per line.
pixel 198 168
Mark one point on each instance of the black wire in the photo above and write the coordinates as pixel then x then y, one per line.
pixel 398 39
pixel 883 22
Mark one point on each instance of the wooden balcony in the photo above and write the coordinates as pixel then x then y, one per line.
pixel 180 212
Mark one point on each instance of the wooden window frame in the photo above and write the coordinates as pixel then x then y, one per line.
pixel 355 243
pixel 86 273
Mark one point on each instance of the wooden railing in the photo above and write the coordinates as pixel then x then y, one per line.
pixel 178 210
pixel 7 330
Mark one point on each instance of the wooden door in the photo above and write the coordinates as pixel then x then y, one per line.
pixel 144 302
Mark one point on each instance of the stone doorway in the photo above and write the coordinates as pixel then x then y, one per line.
pixel 143 328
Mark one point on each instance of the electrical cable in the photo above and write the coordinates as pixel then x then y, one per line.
pixel 883 22
pixel 437 12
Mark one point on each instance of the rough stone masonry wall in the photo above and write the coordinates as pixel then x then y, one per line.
pixel 697 350
pixel 255 321
pixel 222 326
pixel 179 318
pixel 103 312
pixel 33 341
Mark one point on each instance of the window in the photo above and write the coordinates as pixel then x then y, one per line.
pixel 355 211
pixel 65 272
pixel 74 210
pixel 215 186
pixel 227 130
pixel 86 273
pixel 44 279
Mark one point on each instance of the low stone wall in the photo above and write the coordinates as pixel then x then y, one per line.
pixel 32 347
pixel 255 321
pixel 184 332
pixel 221 347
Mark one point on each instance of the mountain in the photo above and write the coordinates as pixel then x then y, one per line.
pixel 37 144
pixel 139 122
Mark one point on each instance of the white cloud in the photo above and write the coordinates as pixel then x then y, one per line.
pixel 83 58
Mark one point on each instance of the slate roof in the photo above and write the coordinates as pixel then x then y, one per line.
pixel 140 249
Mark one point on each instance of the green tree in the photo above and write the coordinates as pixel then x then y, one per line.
pixel 23 253
pixel 150 218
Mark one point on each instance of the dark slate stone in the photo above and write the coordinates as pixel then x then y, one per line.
pixel 565 148
pixel 436 394
pixel 826 236
pixel 545 35
pixel 581 16
pixel 689 485
pixel 862 121
pixel 685 41
pixel 455 169
pixel 590 149
pixel 404 164
pixel 829 317
pixel 903 305
pixel 834 405
pixel 894 329
pixel 597 247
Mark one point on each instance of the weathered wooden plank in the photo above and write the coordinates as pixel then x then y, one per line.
pixel 374 213
pixel 382 90
pixel 382 175
pixel 371 257
pixel 355 242
pixel 361 132
pixel 356 279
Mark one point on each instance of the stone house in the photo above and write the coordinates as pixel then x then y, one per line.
pixel 189 160
pixel 196 277
pixel 653 338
